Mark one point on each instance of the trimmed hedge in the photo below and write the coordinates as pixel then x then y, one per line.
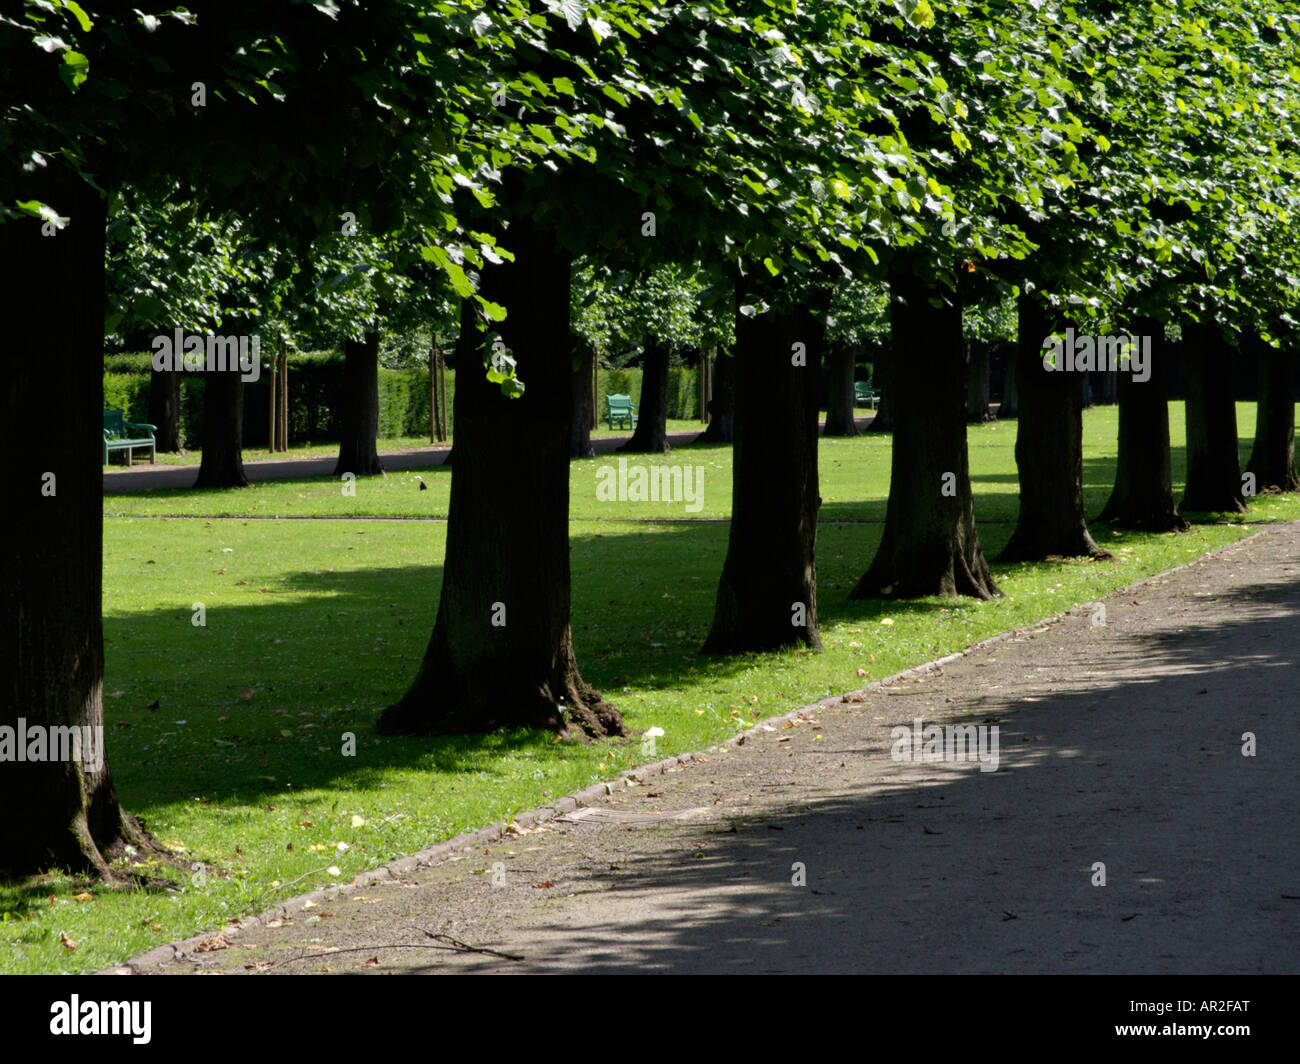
pixel 315 381
pixel 683 390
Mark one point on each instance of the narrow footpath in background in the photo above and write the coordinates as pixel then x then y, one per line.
pixel 143 477
pixel 1120 745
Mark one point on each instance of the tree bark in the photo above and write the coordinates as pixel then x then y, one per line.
pixel 840 421
pixel 282 399
pixel 705 370
pixel 165 409
pixel 1143 496
pixel 358 451
pixel 434 420
pixel 767 596
pixel 222 465
pixel 584 400
pixel 884 384
pixel 977 383
pixel 1213 464
pixel 1272 458
pixel 501 653
pixel 1049 451
pixel 722 407
pixel 1106 384
pixel 59 812
pixel 651 433
pixel 1010 405
pixel 930 545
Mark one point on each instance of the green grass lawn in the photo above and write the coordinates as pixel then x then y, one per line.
pixel 228 739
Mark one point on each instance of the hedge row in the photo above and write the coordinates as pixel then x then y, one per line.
pixel 316 381
pixel 683 390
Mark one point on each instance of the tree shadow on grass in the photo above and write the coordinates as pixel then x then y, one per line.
pixel 205 710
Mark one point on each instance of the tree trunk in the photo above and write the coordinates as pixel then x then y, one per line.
pixel 222 465
pixel 884 384
pixel 1143 496
pixel 930 545
pixel 977 383
pixel 584 400
pixel 358 453
pixel 1106 383
pixel 841 360
pixel 443 427
pixel 282 401
pixel 767 596
pixel 1049 451
pixel 434 422
pixel 59 812
pixel 1010 404
pixel 1272 458
pixel 501 653
pixel 722 406
pixel 706 389
pixel 165 409
pixel 651 433
pixel 1213 465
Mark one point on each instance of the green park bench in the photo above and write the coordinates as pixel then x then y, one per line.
pixel 620 408
pixel 117 435
pixel 864 394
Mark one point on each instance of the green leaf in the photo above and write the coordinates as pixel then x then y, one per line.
pixel 574 11
pixel 74 70
pixel 82 17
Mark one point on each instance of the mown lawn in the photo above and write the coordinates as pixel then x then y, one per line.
pixel 228 739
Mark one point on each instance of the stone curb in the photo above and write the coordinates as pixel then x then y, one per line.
pixel 180 951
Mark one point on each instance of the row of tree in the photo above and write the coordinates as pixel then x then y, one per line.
pixel 1110 167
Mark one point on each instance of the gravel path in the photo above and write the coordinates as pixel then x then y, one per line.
pixel 1118 743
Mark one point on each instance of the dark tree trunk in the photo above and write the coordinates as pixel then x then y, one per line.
pixel 222 465
pixel 584 400
pixel 884 384
pixel 977 383
pixel 1085 381
pixel 930 545
pixel 58 812
pixel 1106 385
pixel 1049 451
pixel 358 452
pixel 165 409
pixel 1143 496
pixel 1213 465
pixel 651 433
pixel 840 420
pixel 722 407
pixel 1010 404
pixel 767 596
pixel 1272 458
pixel 501 653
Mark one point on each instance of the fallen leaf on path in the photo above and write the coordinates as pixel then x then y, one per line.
pixel 216 942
